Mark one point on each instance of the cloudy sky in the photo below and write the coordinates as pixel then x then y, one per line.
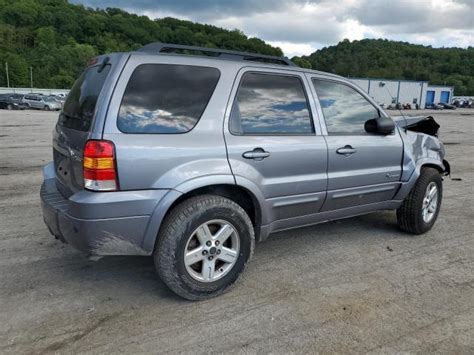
pixel 300 27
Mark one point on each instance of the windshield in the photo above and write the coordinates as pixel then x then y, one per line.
pixel 79 107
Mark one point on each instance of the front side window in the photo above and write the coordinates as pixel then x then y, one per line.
pixel 164 98
pixel 345 110
pixel 271 104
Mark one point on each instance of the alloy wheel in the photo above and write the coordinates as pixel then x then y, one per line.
pixel 430 202
pixel 212 251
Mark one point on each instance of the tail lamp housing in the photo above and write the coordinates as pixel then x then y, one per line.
pixel 100 166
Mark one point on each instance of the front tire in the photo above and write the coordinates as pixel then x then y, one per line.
pixel 203 246
pixel 420 209
pixel 47 108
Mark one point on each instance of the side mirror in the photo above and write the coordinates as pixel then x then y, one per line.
pixel 380 125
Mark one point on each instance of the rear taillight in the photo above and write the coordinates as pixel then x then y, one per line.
pixel 99 166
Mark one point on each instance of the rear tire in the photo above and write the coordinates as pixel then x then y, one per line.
pixel 46 108
pixel 203 246
pixel 419 211
pixel 9 107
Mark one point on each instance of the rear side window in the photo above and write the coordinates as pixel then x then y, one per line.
pixel 271 104
pixel 345 110
pixel 165 98
pixel 79 107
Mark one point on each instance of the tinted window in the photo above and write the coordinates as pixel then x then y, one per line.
pixel 344 109
pixel 79 108
pixel 271 104
pixel 162 98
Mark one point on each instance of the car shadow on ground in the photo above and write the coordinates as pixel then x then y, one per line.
pixel 117 275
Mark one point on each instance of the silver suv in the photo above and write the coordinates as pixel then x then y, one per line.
pixel 41 102
pixel 191 158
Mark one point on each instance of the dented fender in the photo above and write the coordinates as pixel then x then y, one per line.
pixel 419 149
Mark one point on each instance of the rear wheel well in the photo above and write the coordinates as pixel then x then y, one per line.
pixel 238 194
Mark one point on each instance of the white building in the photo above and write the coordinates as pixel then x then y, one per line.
pixel 387 92
pixel 436 93
pixel 5 90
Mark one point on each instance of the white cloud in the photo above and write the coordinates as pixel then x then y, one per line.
pixel 291 49
pixel 301 26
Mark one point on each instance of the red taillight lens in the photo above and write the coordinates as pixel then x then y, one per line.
pixel 99 166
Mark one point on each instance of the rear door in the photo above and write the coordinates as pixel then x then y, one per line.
pixel 363 168
pixel 74 127
pixel 274 146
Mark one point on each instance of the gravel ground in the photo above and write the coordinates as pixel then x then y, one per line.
pixel 357 285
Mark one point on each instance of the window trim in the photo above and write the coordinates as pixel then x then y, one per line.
pixel 380 112
pixel 234 100
pixel 167 64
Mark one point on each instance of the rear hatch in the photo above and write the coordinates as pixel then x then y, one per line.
pixel 74 127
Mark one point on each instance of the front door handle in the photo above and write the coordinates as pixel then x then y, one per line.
pixel 347 150
pixel 256 154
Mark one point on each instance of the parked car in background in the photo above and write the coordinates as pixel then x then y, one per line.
pixel 447 106
pixel 434 106
pixel 60 98
pixel 12 102
pixel 55 98
pixel 463 103
pixel 192 159
pixel 41 102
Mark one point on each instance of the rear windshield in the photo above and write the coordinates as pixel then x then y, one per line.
pixel 166 98
pixel 79 107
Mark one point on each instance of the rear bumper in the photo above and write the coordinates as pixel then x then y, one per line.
pixel 107 223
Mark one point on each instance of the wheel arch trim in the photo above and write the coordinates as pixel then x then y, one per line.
pixel 408 185
pixel 165 204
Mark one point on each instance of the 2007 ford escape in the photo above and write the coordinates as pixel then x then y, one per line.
pixel 191 158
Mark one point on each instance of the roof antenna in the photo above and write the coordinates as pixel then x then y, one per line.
pixel 397 105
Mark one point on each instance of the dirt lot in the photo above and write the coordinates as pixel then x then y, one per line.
pixel 355 285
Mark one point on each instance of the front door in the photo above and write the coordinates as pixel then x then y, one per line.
pixel 274 147
pixel 363 168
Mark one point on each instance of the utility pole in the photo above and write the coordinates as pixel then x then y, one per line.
pixel 31 78
pixel 8 77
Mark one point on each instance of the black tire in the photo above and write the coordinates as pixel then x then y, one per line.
pixel 9 107
pixel 46 108
pixel 177 229
pixel 410 214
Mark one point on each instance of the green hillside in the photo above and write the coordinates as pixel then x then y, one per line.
pixel 397 60
pixel 57 38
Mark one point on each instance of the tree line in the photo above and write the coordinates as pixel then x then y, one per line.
pixel 381 58
pixel 56 38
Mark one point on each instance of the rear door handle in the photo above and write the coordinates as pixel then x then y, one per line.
pixel 256 154
pixel 347 150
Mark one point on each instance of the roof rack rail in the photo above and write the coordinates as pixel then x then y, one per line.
pixel 159 47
